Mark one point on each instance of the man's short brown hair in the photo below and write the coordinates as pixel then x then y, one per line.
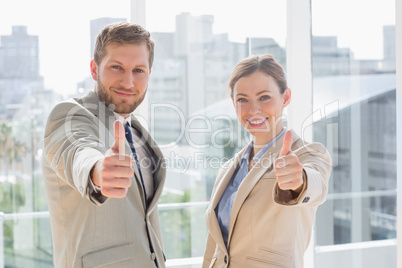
pixel 122 33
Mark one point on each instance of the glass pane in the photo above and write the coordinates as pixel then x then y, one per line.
pixel 45 50
pixel 197 44
pixel 354 87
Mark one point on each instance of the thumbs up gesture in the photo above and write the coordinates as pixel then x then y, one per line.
pixel 112 173
pixel 288 170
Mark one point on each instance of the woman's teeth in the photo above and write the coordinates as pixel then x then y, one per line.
pixel 256 122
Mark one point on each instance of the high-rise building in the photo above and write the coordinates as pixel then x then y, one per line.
pixel 19 71
pixel 192 32
pixel 96 26
pixel 19 54
pixel 361 163
pixel 263 45
pixel 329 59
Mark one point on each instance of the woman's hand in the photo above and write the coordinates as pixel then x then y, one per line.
pixel 288 170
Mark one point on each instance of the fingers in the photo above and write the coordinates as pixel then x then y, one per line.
pixel 289 182
pixel 287 165
pixel 116 173
pixel 287 143
pixel 289 177
pixel 118 161
pixel 117 167
pixel 116 183
pixel 114 192
pixel 118 146
pixel 288 169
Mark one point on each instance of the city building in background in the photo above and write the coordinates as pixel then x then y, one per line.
pixel 193 120
pixel 24 106
pixel 96 26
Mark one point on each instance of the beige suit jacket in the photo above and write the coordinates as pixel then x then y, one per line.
pixel 90 231
pixel 268 227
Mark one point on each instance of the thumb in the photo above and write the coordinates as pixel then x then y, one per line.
pixel 119 137
pixel 287 143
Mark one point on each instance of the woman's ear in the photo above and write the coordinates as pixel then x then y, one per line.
pixel 94 70
pixel 287 96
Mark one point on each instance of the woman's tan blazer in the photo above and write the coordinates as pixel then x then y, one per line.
pixel 269 227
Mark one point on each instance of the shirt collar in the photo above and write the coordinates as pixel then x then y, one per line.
pixel 122 119
pixel 257 157
pixel 264 149
pixel 246 154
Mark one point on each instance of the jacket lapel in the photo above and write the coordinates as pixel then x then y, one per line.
pixel 248 183
pixel 105 117
pixel 265 164
pixel 158 160
pixel 222 180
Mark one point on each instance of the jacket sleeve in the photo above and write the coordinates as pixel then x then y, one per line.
pixel 316 163
pixel 73 144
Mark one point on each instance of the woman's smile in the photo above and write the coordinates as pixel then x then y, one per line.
pixel 257 122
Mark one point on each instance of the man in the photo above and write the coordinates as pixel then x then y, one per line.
pixel 102 189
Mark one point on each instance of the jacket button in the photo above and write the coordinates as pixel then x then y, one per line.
pixel 153 256
pixel 226 259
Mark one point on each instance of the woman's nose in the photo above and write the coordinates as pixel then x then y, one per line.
pixel 255 108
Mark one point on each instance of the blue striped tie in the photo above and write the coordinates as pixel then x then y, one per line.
pixel 129 138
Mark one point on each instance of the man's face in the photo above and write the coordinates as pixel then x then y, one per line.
pixel 122 77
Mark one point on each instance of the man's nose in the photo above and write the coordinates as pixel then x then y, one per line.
pixel 127 80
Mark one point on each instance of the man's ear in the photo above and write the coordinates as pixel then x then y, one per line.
pixel 150 70
pixel 287 96
pixel 94 70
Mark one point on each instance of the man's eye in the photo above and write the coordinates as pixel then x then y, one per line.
pixel 139 71
pixel 116 67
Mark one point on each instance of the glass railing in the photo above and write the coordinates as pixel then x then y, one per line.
pixel 190 229
pixel 33 248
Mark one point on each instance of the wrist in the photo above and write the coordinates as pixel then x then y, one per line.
pixel 95 174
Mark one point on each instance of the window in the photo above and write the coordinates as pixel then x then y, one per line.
pixel 44 58
pixel 197 128
pixel 354 80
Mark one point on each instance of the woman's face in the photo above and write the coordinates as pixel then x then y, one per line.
pixel 259 104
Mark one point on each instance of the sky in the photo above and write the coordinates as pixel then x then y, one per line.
pixel 63 26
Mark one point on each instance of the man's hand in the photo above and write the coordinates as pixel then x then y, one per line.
pixel 288 170
pixel 112 173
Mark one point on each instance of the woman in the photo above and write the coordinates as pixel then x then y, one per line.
pixel 264 200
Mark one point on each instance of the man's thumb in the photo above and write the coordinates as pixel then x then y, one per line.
pixel 119 137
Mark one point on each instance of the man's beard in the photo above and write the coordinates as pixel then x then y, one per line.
pixel 124 107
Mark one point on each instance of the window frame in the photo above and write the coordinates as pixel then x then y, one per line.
pixel 299 72
pixel 398 39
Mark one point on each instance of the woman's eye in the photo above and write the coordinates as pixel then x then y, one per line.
pixel 241 100
pixel 265 97
pixel 116 67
